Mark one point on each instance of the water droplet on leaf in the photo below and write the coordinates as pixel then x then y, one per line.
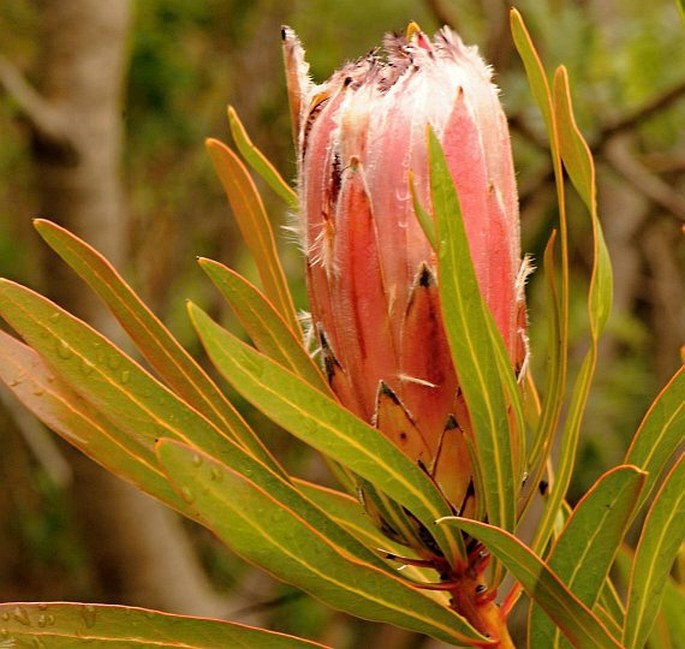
pixel 187 495
pixel 21 616
pixel 88 614
pixel 64 351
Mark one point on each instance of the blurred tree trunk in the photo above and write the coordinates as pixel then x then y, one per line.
pixel 139 549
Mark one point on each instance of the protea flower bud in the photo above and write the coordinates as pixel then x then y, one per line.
pixel 371 271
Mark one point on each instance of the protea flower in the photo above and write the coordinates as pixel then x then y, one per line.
pixel 371 272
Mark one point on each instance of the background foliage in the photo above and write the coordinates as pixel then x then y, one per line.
pixel 188 60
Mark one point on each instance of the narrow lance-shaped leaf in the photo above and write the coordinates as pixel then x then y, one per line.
pixel 578 161
pixel 321 422
pixel 264 531
pixel 669 623
pixel 109 379
pixel 662 535
pixel 557 369
pixel 255 227
pixel 347 511
pixel 64 411
pixel 60 625
pixel 544 434
pixel 574 619
pixel 473 345
pixel 263 324
pixel 258 161
pixel 660 433
pixel 611 602
pixel 585 549
pixel 143 409
pixel 155 342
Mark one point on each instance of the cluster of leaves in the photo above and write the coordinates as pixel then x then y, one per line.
pixel 174 434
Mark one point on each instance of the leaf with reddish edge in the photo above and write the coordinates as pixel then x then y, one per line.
pixel 578 162
pixel 265 531
pixel 255 227
pixel 662 535
pixel 263 324
pixel 555 387
pixel 477 348
pixel 660 433
pixel 258 161
pixel 141 407
pixel 110 380
pixel 575 620
pixel 585 549
pixel 63 625
pixel 68 414
pixel 577 159
pixel 155 342
pixel 322 423
pixel 543 438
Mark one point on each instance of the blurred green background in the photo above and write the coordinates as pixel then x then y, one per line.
pixel 183 63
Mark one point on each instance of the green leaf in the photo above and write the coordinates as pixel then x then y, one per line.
pixel 669 626
pixel 607 619
pixel 60 408
pixel 155 342
pixel 258 161
pixel 535 73
pixel 574 619
pixel 255 227
pixel 320 422
pixel 584 551
pixel 259 527
pixel 544 433
pixel 349 514
pixel 345 510
pixel 611 603
pixel 577 159
pixel 263 324
pixel 662 534
pixel 425 219
pixel 557 297
pixel 672 607
pixel 660 433
pixel 567 452
pixel 109 379
pixel 474 344
pixel 64 625
pixel 141 407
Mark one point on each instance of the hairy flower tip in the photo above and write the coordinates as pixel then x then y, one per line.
pixel 371 272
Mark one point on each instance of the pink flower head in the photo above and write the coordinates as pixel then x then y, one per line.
pixel 371 271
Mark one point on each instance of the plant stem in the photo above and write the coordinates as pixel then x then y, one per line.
pixel 471 598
